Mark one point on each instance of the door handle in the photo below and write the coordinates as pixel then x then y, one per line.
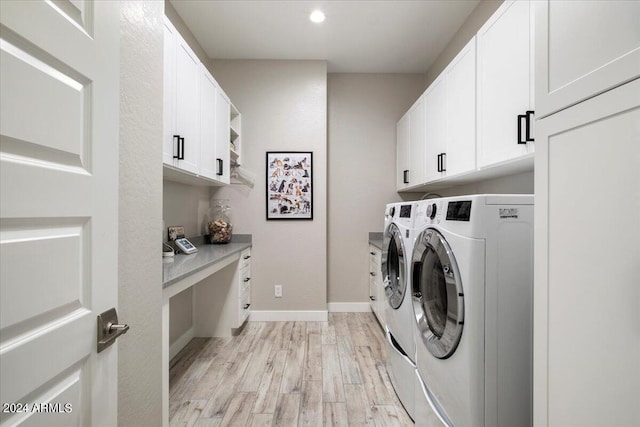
pixel 109 329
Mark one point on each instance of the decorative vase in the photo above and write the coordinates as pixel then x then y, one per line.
pixel 220 226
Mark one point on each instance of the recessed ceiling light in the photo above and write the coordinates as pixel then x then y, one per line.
pixel 316 16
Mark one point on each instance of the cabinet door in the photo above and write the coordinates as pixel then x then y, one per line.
pixel 208 97
pixel 505 82
pixel 169 143
pixel 187 106
pixel 460 75
pixel 583 48
pixel 587 272
pixel 223 137
pixel 417 143
pixel 435 134
pixel 403 131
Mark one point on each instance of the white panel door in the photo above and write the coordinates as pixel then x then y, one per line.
pixel 583 48
pixel 504 83
pixel 187 106
pixel 586 293
pixel 436 128
pixel 59 101
pixel 169 140
pixel 208 98
pixel 402 152
pixel 460 155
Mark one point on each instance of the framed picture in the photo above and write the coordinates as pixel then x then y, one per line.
pixel 289 185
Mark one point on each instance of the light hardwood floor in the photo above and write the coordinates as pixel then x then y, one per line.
pixel 287 374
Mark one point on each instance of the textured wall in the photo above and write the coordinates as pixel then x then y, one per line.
pixel 140 269
pixel 284 107
pixel 363 112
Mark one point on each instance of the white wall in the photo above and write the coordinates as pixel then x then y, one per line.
pixel 284 107
pixel 363 112
pixel 140 204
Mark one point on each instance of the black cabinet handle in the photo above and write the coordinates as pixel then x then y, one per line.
pixel 441 167
pixel 372 253
pixel 405 176
pixel 219 166
pixel 372 298
pixel 247 279
pixel 247 257
pixel 246 306
pixel 181 148
pixel 372 273
pixel 528 137
pixel 527 117
pixel 177 150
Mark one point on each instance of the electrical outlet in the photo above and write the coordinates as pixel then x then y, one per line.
pixel 278 291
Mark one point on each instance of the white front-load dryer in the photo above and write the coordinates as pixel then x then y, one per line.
pixel 472 287
pixel 397 248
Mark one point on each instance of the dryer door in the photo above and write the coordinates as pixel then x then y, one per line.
pixel 438 299
pixel 393 266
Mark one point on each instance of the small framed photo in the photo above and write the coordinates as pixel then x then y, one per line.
pixel 289 185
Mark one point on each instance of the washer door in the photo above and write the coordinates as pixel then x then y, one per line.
pixel 393 266
pixel 438 299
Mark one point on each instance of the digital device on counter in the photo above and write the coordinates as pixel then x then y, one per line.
pixel 186 246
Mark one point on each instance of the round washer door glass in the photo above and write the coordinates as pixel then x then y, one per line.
pixel 393 266
pixel 438 299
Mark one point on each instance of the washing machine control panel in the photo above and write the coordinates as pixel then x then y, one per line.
pixel 429 212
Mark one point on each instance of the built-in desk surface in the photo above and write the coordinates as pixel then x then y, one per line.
pixel 182 266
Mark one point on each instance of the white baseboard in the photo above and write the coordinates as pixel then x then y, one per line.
pixel 349 307
pixel 289 316
pixel 180 343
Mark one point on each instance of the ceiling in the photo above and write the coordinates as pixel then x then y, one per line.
pixel 394 36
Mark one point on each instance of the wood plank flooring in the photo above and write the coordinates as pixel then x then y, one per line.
pixel 287 374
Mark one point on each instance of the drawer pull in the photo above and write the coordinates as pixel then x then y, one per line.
pixel 247 279
pixel 247 256
pixel 246 306
pixel 372 253
pixel 372 273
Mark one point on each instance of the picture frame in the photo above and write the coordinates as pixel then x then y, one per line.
pixel 289 185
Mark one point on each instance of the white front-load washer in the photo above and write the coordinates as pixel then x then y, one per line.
pixel 398 237
pixel 472 287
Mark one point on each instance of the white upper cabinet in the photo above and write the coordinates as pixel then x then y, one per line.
pixel 169 142
pixel 450 116
pixel 402 152
pixel 583 49
pixel 187 107
pixel 417 142
pixel 208 147
pixel 460 80
pixel 199 120
pixel 505 84
pixel 436 128
pixel 223 136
